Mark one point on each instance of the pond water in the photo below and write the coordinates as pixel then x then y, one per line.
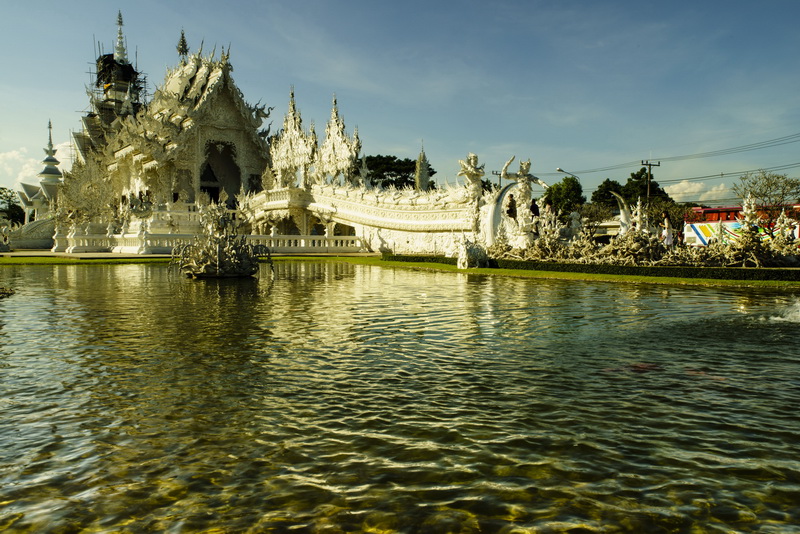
pixel 341 398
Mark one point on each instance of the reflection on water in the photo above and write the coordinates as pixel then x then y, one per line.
pixel 345 398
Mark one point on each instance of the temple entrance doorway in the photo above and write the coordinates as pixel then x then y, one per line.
pixel 316 227
pixel 343 230
pixel 220 172
pixel 287 227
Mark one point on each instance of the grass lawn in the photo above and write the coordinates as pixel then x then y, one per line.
pixel 63 260
pixel 554 275
pixel 377 261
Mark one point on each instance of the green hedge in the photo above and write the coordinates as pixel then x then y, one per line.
pixel 420 259
pixel 712 273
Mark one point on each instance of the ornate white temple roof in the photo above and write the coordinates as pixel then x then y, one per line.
pixel 178 105
pixel 338 153
pixel 294 148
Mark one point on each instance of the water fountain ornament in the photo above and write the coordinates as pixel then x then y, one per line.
pixel 219 252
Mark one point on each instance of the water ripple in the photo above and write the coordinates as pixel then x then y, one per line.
pixel 356 399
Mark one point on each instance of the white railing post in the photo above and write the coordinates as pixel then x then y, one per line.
pixel 308 243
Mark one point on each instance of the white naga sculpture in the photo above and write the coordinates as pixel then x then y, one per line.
pixel 625 217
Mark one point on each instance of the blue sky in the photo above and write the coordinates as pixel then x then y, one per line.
pixel 581 85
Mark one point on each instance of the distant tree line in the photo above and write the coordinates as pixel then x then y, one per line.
pixel 9 206
pixel 567 196
pixel 773 194
pixel 387 171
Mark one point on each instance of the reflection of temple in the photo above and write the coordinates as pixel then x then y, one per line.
pixel 144 169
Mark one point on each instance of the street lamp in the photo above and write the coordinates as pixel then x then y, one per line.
pixel 567 172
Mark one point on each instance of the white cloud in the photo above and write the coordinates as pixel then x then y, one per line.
pixel 64 153
pixel 16 166
pixel 686 191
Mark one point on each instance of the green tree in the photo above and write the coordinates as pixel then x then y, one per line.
pixel 602 195
pixel 389 171
pixel 9 206
pixel 487 185
pixel 637 187
pixel 772 194
pixel 565 196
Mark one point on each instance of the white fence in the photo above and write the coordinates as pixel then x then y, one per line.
pixel 305 244
pixel 147 243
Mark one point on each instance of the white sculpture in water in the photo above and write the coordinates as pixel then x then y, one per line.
pixel 219 252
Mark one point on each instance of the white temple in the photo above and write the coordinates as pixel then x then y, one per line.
pixel 144 171
pixel 36 199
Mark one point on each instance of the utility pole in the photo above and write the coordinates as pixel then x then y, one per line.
pixel 649 175
pixel 499 178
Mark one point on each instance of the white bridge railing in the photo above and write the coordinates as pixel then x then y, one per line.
pixel 306 244
pixel 157 243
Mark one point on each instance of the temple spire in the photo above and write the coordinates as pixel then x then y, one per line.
pixel 422 177
pixel 50 151
pixel 50 173
pixel 120 54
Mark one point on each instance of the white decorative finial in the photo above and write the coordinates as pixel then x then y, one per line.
pixel 120 54
pixel 334 108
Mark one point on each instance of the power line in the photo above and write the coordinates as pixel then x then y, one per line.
pixel 794 138
pixel 729 174
pixel 778 141
pixel 720 176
